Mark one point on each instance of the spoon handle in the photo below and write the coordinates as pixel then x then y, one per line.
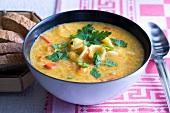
pixel 165 78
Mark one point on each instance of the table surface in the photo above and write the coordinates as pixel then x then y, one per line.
pixel 31 100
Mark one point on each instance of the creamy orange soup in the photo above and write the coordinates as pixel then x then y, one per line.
pixel 86 52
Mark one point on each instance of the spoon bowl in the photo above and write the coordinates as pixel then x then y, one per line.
pixel 160 43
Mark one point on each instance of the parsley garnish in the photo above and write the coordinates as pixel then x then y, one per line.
pixel 110 63
pixel 95 72
pixel 83 64
pixel 58 55
pixel 96 59
pixel 87 43
pixel 119 43
pixel 60 45
pixel 91 36
pixel 97 36
pixel 85 33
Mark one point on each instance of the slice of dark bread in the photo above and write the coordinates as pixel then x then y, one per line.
pixel 17 23
pixel 11 59
pixel 12 63
pixel 10 36
pixel 12 68
pixel 10 47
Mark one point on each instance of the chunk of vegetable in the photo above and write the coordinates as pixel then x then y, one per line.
pixel 45 39
pixel 88 54
pixel 50 65
pixel 83 64
pixel 107 47
pixel 70 76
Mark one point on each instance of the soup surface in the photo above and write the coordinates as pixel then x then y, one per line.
pixel 86 52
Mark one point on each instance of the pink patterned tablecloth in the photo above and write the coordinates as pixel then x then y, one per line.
pixel 146 95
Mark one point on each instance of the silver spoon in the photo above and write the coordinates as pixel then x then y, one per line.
pixel 160 49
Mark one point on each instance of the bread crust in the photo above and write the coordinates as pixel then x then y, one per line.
pixel 17 23
pixel 10 47
pixel 10 36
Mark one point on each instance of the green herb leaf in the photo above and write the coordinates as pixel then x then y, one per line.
pixel 73 36
pixel 85 33
pixel 97 36
pixel 87 43
pixel 110 63
pixel 83 64
pixel 60 45
pixel 95 72
pixel 70 76
pixel 119 43
pixel 107 47
pixel 91 36
pixel 96 59
pixel 58 55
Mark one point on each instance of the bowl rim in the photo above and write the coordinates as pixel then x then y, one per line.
pixel 45 19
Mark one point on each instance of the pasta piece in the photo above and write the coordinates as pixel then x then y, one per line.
pixel 73 56
pixel 112 53
pixel 80 50
pixel 107 41
pixel 76 43
pixel 82 55
pixel 131 52
pixel 98 48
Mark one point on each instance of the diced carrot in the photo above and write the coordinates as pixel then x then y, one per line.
pixel 49 48
pixel 101 80
pixel 111 78
pixel 51 65
pixel 73 64
pixel 107 28
pixel 45 39
pixel 78 68
pixel 40 58
pixel 88 54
